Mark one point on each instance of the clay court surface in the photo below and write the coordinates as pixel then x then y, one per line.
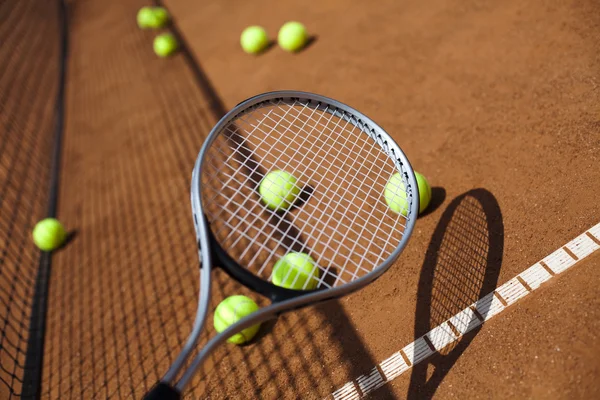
pixel 496 103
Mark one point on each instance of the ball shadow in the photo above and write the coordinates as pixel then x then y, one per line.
pixel 438 196
pixel 310 41
pixel 303 197
pixel 71 237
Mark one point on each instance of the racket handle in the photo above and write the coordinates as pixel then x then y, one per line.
pixel 163 391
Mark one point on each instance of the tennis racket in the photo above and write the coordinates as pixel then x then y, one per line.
pixel 341 161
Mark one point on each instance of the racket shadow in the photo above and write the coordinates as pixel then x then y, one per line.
pixel 461 265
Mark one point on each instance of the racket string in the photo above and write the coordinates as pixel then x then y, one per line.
pixel 294 172
pixel 269 238
pixel 346 248
pixel 357 187
pixel 338 211
pixel 332 214
pixel 270 151
pixel 310 236
pixel 337 206
pixel 325 174
pixel 351 186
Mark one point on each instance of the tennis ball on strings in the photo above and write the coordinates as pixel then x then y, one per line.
pixel 292 36
pixel 294 271
pixel 395 195
pixel 49 234
pixel 254 39
pixel 424 192
pixel 230 311
pixel 165 44
pixel 278 189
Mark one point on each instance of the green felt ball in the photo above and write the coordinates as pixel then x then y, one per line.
pixel 424 192
pixel 230 311
pixel 145 17
pixel 278 190
pixel 296 271
pixel 165 44
pixel 254 39
pixel 49 234
pixel 161 17
pixel 395 195
pixel 292 36
pixel 152 17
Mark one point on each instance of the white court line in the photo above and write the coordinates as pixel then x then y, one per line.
pixel 490 305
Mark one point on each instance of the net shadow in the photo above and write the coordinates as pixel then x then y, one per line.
pixel 461 266
pixel 29 68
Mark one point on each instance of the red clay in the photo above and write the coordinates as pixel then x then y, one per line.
pixel 500 97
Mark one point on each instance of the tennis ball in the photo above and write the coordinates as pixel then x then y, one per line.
pixel 230 311
pixel 165 45
pixel 278 189
pixel 293 270
pixel 152 17
pixel 292 36
pixel 395 195
pixel 145 17
pixel 254 39
pixel 424 192
pixel 161 17
pixel 49 234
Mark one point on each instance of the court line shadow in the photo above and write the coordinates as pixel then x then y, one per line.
pixel 461 266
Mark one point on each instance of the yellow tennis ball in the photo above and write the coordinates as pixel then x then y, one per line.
pixel 278 189
pixel 145 17
pixel 295 270
pixel 424 192
pixel 292 36
pixel 165 45
pixel 230 311
pixel 161 17
pixel 152 17
pixel 254 39
pixel 49 234
pixel 395 195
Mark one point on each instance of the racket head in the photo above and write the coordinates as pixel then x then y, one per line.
pixel 342 161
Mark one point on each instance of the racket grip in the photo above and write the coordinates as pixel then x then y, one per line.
pixel 163 391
